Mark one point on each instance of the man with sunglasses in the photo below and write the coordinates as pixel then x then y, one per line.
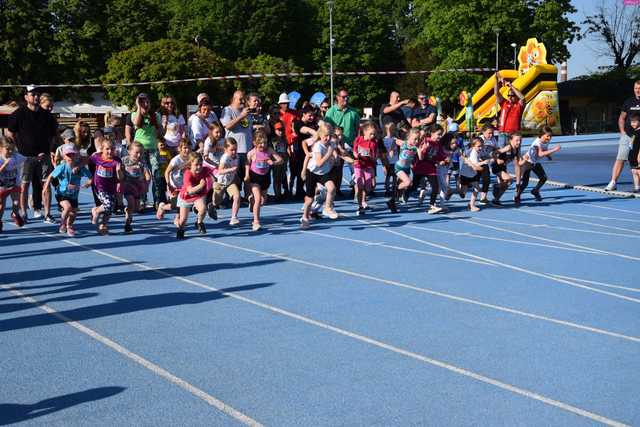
pixel 34 130
pixel 511 110
pixel 424 115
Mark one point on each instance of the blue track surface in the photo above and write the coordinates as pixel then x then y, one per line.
pixel 526 316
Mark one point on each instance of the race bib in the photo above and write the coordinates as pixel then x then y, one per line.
pixel 262 165
pixel 364 152
pixel 103 172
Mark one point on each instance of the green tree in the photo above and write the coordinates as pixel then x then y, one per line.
pixel 246 29
pixel 166 60
pixel 461 35
pixel 269 88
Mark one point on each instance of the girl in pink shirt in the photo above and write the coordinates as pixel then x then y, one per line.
pixel 196 183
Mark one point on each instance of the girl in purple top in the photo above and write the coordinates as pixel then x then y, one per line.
pixel 257 176
pixel 106 177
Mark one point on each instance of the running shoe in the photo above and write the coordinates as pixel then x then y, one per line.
pixel 180 233
pixel 516 200
pixel 636 189
pixel 201 228
pixel 212 212
pixel 62 229
pixel 256 226
pixel 37 213
pixel 71 232
pixel 483 202
pixel 536 194
pixel 127 227
pixel 611 186
pixel 496 203
pixel 330 213
pixel 360 211
pixel 474 208
pixel 433 209
pixel 421 196
pixel 17 219
pixel 391 204
pixel 234 221
pixel 304 224
pixel 448 194
pixel 49 220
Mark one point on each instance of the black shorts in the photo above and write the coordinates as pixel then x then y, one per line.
pixel 633 155
pixel 313 180
pixel 60 199
pixel 497 169
pixel 32 168
pixel 264 181
pixel 466 181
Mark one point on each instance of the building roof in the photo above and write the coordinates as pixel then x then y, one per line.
pixel 99 105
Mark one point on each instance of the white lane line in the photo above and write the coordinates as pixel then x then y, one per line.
pixel 530 211
pixel 385 346
pixel 613 209
pixel 557 227
pixel 592 216
pixel 529 236
pixel 195 391
pixel 505 265
pixel 498 239
pixel 593 282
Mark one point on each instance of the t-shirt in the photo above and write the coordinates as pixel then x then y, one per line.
pixel 396 116
pixel 533 150
pixel 162 159
pixel 34 129
pixel 242 132
pixel 199 128
pixel 173 124
pixel 287 118
pixel 226 162
pixel 320 148
pixel 192 180
pixel 510 116
pixel 406 157
pixel 280 146
pixel 421 113
pixel 297 128
pixel 365 152
pixel 147 134
pixel 133 171
pixel 488 147
pixel 348 119
pixel 214 151
pixel 10 175
pixel 178 166
pixel 105 177
pixel 465 169
pixel 432 153
pixel 630 106
pixel 390 145
pixel 66 178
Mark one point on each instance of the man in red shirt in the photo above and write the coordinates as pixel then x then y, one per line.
pixel 511 110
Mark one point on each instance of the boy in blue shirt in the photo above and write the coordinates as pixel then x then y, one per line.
pixel 68 174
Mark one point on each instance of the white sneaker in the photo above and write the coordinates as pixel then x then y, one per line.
pixel 304 224
pixel 611 186
pixel 330 213
pixel 37 213
pixel 421 196
pixel 434 210
pixel 234 221
pixel 256 226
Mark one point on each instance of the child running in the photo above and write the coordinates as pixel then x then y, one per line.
pixel 365 151
pixel 510 152
pixel 257 175
pixel 68 175
pixel 10 170
pixel 431 155
pixel 470 170
pixel 107 174
pixel 407 155
pixel 136 181
pixel 174 175
pixel 391 147
pixel 195 186
pixel 227 179
pixel 531 162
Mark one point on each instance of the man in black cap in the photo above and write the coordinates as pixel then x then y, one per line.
pixel 34 130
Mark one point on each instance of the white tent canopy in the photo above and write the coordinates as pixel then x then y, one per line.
pixel 98 106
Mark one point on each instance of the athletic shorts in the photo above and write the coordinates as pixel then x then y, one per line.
pixel 135 189
pixel 633 155
pixel 5 191
pixel 313 180
pixel 33 167
pixel 264 181
pixel 181 203
pixel 363 177
pixel 218 191
pixel 60 199
pixel 496 169
pixel 466 181
pixel 623 147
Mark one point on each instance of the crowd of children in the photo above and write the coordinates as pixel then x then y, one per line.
pixel 431 161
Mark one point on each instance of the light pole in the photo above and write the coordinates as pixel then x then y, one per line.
pixel 515 56
pixel 331 41
pixel 497 31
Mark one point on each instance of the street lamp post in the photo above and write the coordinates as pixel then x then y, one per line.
pixel 515 56
pixel 331 41
pixel 497 31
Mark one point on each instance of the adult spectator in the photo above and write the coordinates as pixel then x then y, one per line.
pixel 199 123
pixel 392 112
pixel 304 128
pixel 144 126
pixel 511 110
pixel 258 118
pixel 288 117
pixel 173 123
pixel 239 126
pixel 631 105
pixel 424 114
pixel 343 116
pixel 34 131
pixel 324 107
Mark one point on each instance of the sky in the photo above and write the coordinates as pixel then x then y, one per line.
pixel 584 59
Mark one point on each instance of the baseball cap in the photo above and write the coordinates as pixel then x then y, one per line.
pixel 202 96
pixel 143 95
pixel 69 149
pixel 32 88
pixel 69 134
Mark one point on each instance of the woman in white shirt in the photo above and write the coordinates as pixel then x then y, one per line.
pixel 173 123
